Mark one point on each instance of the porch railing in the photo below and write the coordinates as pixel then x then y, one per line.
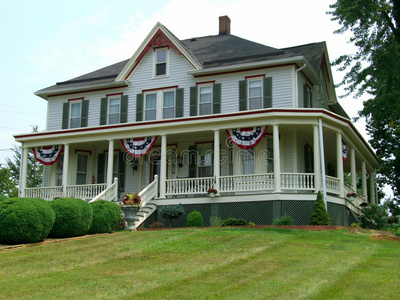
pixel 46 193
pixel 240 183
pixel 86 191
pixel 149 192
pixel 189 186
pixel 297 181
pixel 333 185
pixel 109 194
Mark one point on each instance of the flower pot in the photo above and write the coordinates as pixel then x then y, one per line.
pixel 352 198
pixel 212 195
pixel 129 215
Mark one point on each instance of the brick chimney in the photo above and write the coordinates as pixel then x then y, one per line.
pixel 224 25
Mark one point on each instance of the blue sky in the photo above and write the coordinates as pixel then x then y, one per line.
pixel 44 42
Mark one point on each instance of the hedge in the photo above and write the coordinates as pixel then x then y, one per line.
pixel 73 217
pixel 25 220
pixel 106 216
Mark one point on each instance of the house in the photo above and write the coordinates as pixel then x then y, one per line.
pixel 260 125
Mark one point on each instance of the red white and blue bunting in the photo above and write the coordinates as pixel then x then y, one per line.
pixel 345 149
pixel 246 138
pixel 139 147
pixel 47 155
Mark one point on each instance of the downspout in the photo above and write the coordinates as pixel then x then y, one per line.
pixel 297 85
pixel 322 155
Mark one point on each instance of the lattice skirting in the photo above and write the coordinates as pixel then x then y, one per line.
pixel 259 212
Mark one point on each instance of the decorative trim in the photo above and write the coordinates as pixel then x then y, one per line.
pixel 205 82
pixel 161 88
pixel 116 94
pixel 254 76
pixel 115 150
pixel 76 99
pixel 159 39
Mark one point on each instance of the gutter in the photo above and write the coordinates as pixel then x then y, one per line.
pixel 78 89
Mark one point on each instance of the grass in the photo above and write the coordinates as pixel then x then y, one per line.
pixel 234 263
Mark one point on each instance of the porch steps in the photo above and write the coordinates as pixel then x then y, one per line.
pixel 144 213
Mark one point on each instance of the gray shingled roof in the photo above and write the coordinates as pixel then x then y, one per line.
pixel 210 51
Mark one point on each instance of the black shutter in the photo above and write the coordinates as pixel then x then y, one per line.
pixel 65 115
pixel 193 101
pixel 85 112
pixel 103 111
pixel 121 172
pixel 242 95
pixel 267 103
pixel 193 161
pixel 139 107
pixel 100 167
pixel 179 103
pixel 216 98
pixel 123 118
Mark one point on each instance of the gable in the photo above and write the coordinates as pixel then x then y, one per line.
pixel 158 37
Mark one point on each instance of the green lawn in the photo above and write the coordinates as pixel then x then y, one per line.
pixel 234 263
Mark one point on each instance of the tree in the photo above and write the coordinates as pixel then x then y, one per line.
pixel 375 70
pixel 170 212
pixel 34 168
pixel 7 184
pixel 319 215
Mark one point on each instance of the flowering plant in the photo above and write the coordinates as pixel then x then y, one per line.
pixel 352 194
pixel 131 199
pixel 214 191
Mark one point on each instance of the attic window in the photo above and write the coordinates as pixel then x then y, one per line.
pixel 160 62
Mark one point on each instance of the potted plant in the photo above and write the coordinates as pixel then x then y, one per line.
pixel 212 192
pixel 352 195
pixel 130 206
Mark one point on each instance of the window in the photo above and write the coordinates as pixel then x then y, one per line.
pixel 255 94
pixel 150 110
pixel 114 107
pixel 59 172
pixel 168 105
pixel 75 114
pixel 81 170
pixel 205 95
pixel 270 155
pixel 307 94
pixel 204 162
pixel 248 161
pixel 161 56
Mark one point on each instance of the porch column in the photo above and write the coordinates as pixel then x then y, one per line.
pixel 23 171
pixel 317 159
pixel 364 180
pixel 277 160
pixel 339 162
pixel 65 169
pixel 163 167
pixel 372 190
pixel 353 169
pixel 110 162
pixel 216 160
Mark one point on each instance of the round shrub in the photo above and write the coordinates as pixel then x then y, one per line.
pixel 284 220
pixel 234 222
pixel 106 216
pixel 73 217
pixel 194 219
pixel 24 220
